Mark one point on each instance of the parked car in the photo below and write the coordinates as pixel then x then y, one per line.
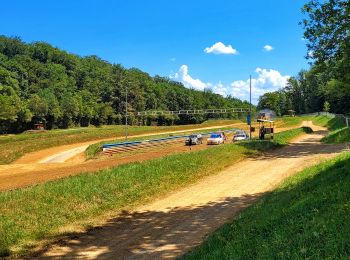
pixel 216 138
pixel 194 139
pixel 240 136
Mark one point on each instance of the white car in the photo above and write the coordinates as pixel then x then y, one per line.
pixel 240 136
pixel 216 139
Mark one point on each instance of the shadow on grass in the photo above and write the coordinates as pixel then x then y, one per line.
pixel 308 217
pixel 339 136
pixel 151 234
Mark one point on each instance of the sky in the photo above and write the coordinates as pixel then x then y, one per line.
pixel 203 44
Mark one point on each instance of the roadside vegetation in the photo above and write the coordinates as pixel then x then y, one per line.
pixel 13 147
pixel 307 217
pixel 325 85
pixel 288 121
pixel 39 213
pixel 41 83
pixel 285 137
pixel 338 136
pixel 94 149
pixel 332 124
pixel 339 133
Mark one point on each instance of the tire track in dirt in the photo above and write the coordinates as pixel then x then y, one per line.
pixel 167 228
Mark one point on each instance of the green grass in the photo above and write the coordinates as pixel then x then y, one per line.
pixel 13 147
pixel 288 121
pixel 326 121
pixel 280 139
pixel 307 217
pixel 284 137
pixel 33 214
pixel 93 150
pixel 341 135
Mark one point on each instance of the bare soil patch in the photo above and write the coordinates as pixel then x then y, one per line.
pixel 167 228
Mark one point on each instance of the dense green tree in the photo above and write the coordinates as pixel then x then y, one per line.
pixel 42 83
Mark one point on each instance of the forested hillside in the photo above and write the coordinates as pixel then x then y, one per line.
pixel 41 83
pixel 326 85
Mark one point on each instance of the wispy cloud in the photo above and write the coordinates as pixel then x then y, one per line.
pixel 172 59
pixel 220 48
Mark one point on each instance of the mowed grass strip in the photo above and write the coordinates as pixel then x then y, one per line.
pixel 37 213
pixel 341 135
pixel 332 123
pixel 13 147
pixel 285 137
pixel 94 149
pixel 307 217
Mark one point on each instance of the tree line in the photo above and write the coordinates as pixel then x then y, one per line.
pixel 326 85
pixel 43 84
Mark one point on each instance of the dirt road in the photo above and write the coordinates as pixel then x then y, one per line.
pixel 63 153
pixel 173 225
pixel 30 170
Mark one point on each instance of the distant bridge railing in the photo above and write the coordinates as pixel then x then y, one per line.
pixel 193 112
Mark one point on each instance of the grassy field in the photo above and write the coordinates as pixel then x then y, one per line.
pixel 13 147
pixel 40 212
pixel 307 217
pixel 288 121
pixel 284 137
pixel 339 133
pixel 96 148
pixel 331 123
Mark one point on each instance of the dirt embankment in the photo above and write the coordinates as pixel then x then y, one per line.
pixel 29 170
pixel 173 225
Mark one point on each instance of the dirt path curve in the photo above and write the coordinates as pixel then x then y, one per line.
pixel 173 225
pixel 63 153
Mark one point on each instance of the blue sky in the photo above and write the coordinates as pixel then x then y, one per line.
pixel 169 38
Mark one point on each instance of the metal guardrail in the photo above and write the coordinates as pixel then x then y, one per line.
pixel 135 145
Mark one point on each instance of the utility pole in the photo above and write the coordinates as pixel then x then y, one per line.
pixel 250 106
pixel 126 111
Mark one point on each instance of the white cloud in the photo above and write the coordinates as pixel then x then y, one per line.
pixel 172 59
pixel 220 48
pixel 268 47
pixel 266 80
pixel 189 82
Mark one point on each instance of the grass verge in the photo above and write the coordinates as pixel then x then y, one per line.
pixel 341 135
pixel 93 150
pixel 39 213
pixel 307 217
pixel 331 123
pixel 13 147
